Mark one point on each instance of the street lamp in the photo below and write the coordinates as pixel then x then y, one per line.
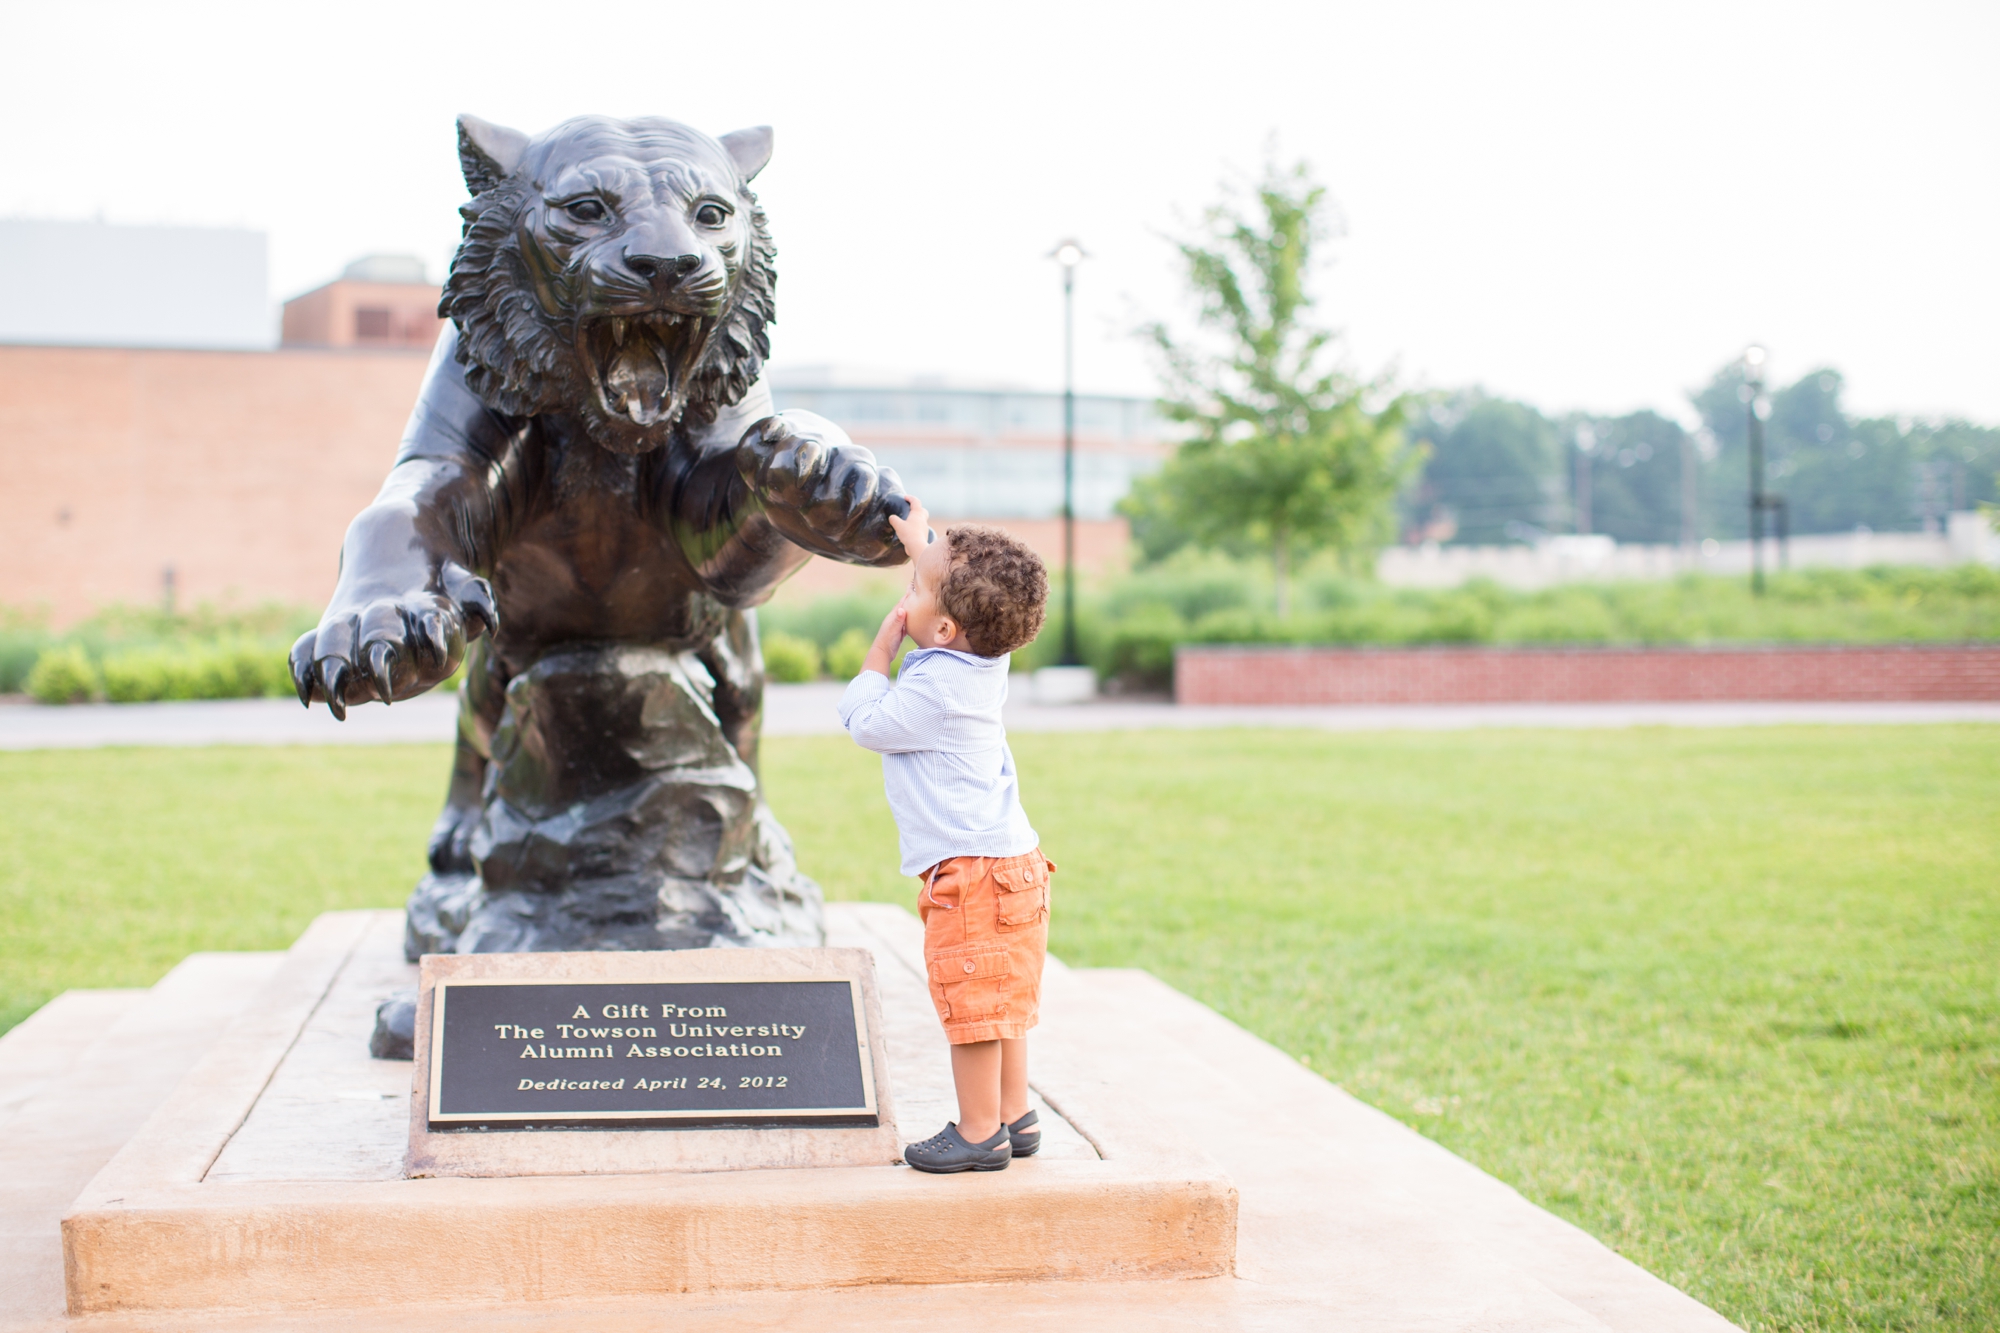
pixel 1759 407
pixel 1069 254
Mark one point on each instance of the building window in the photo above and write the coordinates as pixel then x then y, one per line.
pixel 371 323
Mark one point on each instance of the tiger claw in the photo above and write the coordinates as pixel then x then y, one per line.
pixel 434 634
pixel 381 657
pixel 299 663
pixel 333 674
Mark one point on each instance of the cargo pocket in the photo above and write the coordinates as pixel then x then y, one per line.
pixel 969 983
pixel 1023 892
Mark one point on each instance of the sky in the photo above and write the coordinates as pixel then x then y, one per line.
pixel 1586 206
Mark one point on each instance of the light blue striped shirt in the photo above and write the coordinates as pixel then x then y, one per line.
pixel 946 767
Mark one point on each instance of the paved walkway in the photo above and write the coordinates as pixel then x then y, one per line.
pixel 804 710
pixel 808 710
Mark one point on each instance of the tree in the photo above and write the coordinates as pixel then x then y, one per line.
pixel 1635 475
pixel 1283 450
pixel 1493 472
pixel 1838 472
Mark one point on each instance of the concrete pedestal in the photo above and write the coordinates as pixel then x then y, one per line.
pixel 270 1181
pixel 1373 1227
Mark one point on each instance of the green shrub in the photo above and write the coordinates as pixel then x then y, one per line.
pixel 22 644
pixel 847 653
pixel 230 670
pixel 1190 585
pixel 1458 618
pixel 275 680
pixel 248 670
pixel 1045 649
pixel 1562 616
pixel 143 677
pixel 824 620
pixel 64 675
pixel 1139 650
pixel 789 658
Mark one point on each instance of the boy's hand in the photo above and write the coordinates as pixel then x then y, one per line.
pixel 888 638
pixel 915 531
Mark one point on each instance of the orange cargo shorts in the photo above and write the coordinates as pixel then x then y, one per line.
pixel 986 932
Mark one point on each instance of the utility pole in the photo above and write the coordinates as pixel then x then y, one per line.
pixel 1069 254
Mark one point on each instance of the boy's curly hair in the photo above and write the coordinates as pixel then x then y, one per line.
pixel 995 588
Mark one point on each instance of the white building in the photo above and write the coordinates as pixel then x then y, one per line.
pixel 985 452
pixel 92 284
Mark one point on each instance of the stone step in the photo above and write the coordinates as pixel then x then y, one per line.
pixel 47 1043
pixel 82 1075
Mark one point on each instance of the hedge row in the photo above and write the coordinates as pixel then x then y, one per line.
pixel 1127 630
pixel 67 674
pixel 1133 629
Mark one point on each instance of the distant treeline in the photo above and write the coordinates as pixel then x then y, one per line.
pixel 1501 471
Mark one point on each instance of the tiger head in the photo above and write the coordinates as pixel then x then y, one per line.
pixel 617 270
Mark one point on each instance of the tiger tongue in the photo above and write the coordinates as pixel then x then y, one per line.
pixel 636 383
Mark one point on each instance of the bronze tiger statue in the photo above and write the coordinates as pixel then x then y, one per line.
pixel 592 494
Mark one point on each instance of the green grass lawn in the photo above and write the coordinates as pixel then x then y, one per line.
pixel 1730 1000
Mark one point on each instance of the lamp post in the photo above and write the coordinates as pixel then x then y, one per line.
pixel 1069 254
pixel 1753 400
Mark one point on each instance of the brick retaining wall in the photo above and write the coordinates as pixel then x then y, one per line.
pixel 1256 674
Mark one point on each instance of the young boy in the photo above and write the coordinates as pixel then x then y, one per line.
pixel 974 597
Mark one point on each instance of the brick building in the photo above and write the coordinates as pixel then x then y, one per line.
pixel 137 475
pixel 380 301
pixel 132 475
pixel 155 446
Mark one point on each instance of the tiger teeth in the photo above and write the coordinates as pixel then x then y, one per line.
pixel 617 331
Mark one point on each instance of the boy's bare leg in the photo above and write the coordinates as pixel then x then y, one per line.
pixel 991 1078
pixel 976 1073
pixel 1013 1078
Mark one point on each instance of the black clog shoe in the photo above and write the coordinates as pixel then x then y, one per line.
pixel 948 1150
pixel 1024 1136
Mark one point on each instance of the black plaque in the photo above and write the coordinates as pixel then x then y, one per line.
pixel 575 1054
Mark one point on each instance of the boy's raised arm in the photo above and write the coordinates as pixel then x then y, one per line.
pixel 888 639
pixel 893 721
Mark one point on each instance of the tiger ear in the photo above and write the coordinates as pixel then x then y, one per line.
pixel 750 149
pixel 488 153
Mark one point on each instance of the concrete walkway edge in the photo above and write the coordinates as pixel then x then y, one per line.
pixel 811 710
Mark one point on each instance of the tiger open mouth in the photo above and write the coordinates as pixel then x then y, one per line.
pixel 640 364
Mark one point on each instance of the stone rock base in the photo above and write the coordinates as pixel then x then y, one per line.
pixel 614 811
